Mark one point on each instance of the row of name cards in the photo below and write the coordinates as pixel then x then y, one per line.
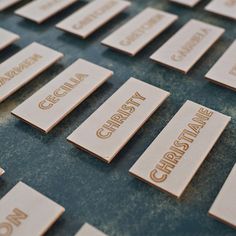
pixel 89 230
pixel 60 96
pixel 24 66
pixel 224 207
pixel 139 31
pixel 92 16
pixel 174 157
pixel 7 38
pixel 40 11
pixel 4 4
pixel 27 212
pixel 113 124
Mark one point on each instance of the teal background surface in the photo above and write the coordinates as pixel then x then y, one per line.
pixel 106 196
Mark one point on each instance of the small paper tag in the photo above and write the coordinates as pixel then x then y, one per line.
pixel 224 207
pixel 174 157
pixel 22 67
pixel 223 7
pixel 7 38
pixel 139 31
pixel 4 4
pixel 41 10
pixel 188 45
pixel 89 18
pixel 1 171
pixel 189 3
pixel 114 123
pixel 89 230
pixel 27 212
pixel 49 105
pixel 224 71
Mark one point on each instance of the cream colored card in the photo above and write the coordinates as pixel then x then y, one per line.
pixel 92 16
pixel 89 230
pixel 7 3
pixel 27 212
pixel 41 10
pixel 139 31
pixel 188 45
pixel 22 67
pixel 223 7
pixel 224 71
pixel 224 206
pixel 49 105
pixel 174 157
pixel 189 3
pixel 7 38
pixel 114 123
pixel 1 171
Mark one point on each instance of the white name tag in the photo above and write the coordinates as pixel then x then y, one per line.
pixel 188 45
pixel 224 71
pixel 24 66
pixel 25 211
pixel 49 105
pixel 89 230
pixel 223 7
pixel 41 10
pixel 95 14
pixel 224 207
pixel 7 38
pixel 173 158
pixel 113 124
pixel 138 32
pixel 7 3
pixel 189 3
pixel 1 171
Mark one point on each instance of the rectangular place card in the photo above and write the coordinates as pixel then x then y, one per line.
pixel 7 3
pixel 89 230
pixel 92 16
pixel 114 123
pixel 188 45
pixel 173 158
pixel 189 3
pixel 224 207
pixel 224 71
pixel 49 105
pixel 138 32
pixel 41 10
pixel 27 212
pixel 22 67
pixel 1 171
pixel 223 7
pixel 7 38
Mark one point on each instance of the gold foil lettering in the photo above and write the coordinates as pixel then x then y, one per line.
pixel 62 91
pixel 141 30
pixel 183 52
pixel 171 158
pixel 19 68
pixel 120 117
pixel 14 219
pixel 93 16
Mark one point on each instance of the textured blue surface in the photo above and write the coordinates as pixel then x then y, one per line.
pixel 106 195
